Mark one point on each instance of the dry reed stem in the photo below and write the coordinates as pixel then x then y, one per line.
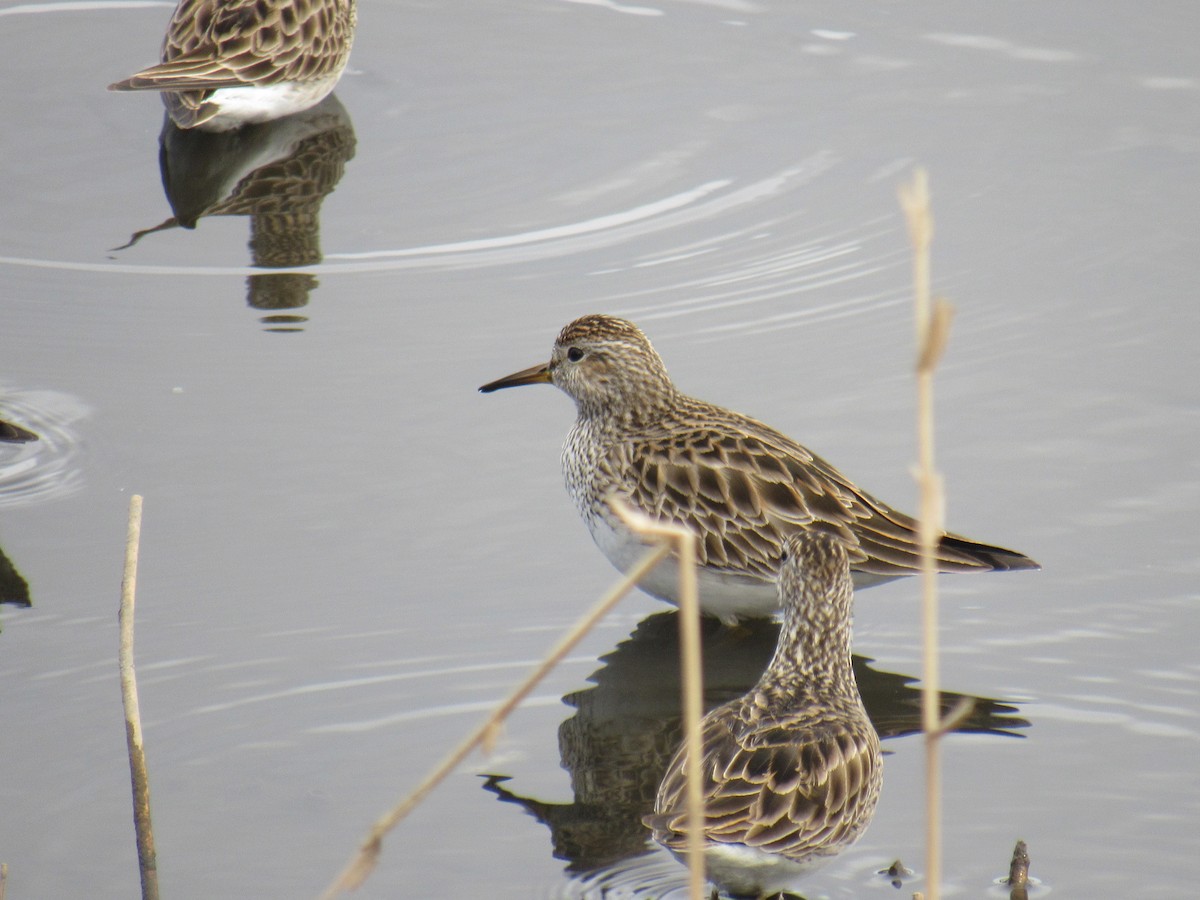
pixel 933 329
pixel 693 678
pixel 364 861
pixel 147 862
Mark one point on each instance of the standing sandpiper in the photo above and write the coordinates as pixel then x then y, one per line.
pixel 228 63
pixel 741 486
pixel 791 770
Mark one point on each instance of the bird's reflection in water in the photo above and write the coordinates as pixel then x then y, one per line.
pixel 14 588
pixel 11 433
pixel 277 173
pixel 791 770
pixel 617 745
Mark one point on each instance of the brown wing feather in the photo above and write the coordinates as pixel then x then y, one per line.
pixel 748 485
pixel 210 46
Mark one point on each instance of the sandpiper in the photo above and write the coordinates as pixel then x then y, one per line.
pixel 228 63
pixel 791 770
pixel 741 486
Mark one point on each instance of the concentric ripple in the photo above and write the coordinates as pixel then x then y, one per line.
pixel 47 468
pixel 654 875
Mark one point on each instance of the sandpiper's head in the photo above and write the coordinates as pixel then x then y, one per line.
pixel 605 364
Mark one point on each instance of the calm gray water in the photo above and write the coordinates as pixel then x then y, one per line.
pixel 349 554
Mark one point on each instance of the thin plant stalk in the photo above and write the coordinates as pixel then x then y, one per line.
pixel 147 860
pixel 364 860
pixel 693 678
pixel 1018 873
pixel 933 327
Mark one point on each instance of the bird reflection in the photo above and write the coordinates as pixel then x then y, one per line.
pixel 625 729
pixel 792 769
pixel 278 173
pixel 13 588
pixel 11 433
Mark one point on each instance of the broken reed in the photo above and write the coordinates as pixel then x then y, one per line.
pixel 665 538
pixel 147 863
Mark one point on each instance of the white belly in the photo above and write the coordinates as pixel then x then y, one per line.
pixel 728 597
pixel 249 105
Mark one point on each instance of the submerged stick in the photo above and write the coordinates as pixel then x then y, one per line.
pixel 693 678
pixel 1018 873
pixel 363 862
pixel 147 862
pixel 933 329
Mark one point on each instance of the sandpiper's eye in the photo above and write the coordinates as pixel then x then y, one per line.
pixel 574 354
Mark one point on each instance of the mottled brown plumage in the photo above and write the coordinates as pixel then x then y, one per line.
pixel 739 484
pixel 293 51
pixel 792 770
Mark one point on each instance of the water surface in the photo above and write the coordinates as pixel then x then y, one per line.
pixel 349 554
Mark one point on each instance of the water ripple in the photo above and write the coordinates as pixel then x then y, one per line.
pixel 710 200
pixel 654 874
pixel 620 8
pixel 82 6
pixel 47 468
pixel 475 708
pixel 758 269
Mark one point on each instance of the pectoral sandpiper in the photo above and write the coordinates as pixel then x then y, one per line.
pixel 741 486
pixel 228 63
pixel 791 770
